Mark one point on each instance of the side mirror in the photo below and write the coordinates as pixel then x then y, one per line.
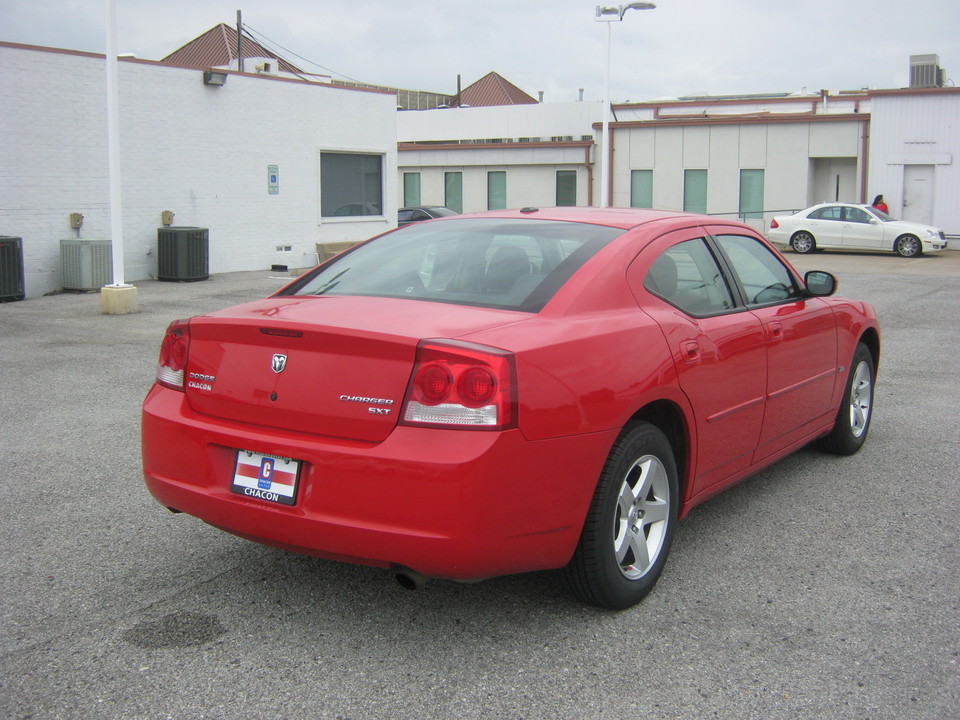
pixel 820 283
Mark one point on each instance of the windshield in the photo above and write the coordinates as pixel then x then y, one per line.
pixel 514 264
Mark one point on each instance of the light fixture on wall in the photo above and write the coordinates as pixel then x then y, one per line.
pixel 215 78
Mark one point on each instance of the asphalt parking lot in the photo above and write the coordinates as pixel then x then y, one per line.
pixel 820 588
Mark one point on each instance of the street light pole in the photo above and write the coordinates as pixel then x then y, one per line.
pixel 610 15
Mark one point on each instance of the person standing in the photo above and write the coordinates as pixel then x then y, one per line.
pixel 880 205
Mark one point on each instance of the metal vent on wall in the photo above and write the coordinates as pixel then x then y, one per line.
pixel 11 268
pixel 85 264
pixel 183 253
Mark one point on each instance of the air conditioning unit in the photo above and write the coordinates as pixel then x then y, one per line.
pixel 85 264
pixel 11 268
pixel 183 254
pixel 925 71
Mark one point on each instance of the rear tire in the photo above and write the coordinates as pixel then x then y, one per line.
pixel 803 242
pixel 629 527
pixel 856 409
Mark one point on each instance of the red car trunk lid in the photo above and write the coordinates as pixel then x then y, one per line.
pixel 336 366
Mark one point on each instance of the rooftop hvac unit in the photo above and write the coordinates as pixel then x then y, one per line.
pixel 183 254
pixel 925 71
pixel 85 264
pixel 11 268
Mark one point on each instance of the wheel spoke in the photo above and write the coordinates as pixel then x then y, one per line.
pixel 655 511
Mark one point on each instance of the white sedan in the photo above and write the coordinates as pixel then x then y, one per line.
pixel 853 227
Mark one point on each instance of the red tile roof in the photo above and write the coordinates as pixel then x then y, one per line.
pixel 218 48
pixel 493 89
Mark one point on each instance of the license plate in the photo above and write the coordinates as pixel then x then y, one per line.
pixel 266 477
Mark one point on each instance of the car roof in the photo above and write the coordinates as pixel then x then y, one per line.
pixel 623 218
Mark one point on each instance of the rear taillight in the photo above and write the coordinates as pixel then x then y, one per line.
pixel 461 385
pixel 774 224
pixel 173 355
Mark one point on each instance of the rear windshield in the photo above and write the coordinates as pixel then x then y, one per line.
pixel 513 264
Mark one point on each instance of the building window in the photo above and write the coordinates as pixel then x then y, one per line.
pixel 411 189
pixel 641 188
pixel 496 190
pixel 566 188
pixel 695 191
pixel 351 184
pixel 751 194
pixel 453 190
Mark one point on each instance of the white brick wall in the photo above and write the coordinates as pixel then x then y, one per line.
pixel 199 151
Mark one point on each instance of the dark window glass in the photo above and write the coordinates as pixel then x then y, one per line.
pixel 687 276
pixel 566 188
pixel 351 184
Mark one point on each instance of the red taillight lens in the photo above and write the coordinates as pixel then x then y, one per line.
pixel 434 382
pixel 477 386
pixel 774 224
pixel 173 355
pixel 461 385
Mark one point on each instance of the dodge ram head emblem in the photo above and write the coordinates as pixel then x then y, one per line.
pixel 279 363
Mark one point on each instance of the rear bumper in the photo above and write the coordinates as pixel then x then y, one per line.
pixel 446 503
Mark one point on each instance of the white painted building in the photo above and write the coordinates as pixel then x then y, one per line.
pixel 915 154
pixel 748 157
pixel 496 157
pixel 203 152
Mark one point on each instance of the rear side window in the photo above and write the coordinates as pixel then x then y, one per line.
pixel 687 276
pixel 513 264
pixel 826 213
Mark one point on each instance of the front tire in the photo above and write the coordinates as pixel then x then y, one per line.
pixel 803 242
pixel 856 409
pixel 908 246
pixel 629 527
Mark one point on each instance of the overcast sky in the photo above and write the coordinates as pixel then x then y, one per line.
pixel 684 47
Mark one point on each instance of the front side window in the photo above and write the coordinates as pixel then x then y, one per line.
pixel 687 276
pixel 764 279
pixel 351 184
pixel 856 215
pixel 500 263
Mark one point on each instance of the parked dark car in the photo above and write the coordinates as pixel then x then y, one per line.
pixel 408 215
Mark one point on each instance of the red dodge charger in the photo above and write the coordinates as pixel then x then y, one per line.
pixel 508 391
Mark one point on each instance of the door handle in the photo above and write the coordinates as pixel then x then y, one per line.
pixel 691 351
pixel 776 331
